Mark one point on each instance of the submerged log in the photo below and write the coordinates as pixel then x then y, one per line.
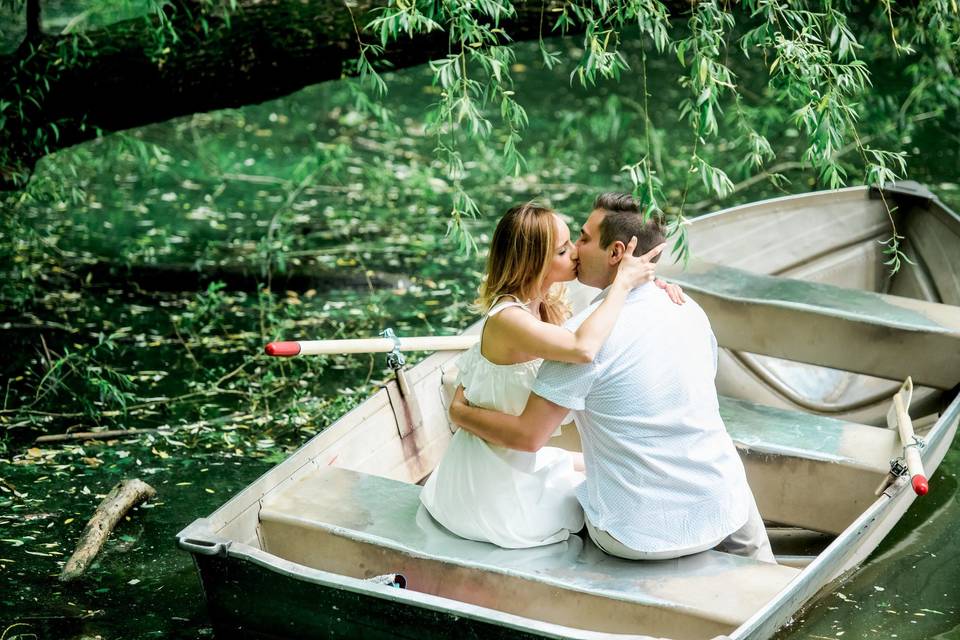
pixel 123 497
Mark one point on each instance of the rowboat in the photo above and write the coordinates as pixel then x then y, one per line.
pixel 817 343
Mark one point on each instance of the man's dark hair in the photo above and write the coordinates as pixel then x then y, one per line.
pixel 623 219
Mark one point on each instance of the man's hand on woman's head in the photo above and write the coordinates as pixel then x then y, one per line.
pixel 673 290
pixel 637 270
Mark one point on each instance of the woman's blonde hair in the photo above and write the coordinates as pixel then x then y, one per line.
pixel 520 253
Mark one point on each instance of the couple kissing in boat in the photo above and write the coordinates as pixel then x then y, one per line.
pixel 659 477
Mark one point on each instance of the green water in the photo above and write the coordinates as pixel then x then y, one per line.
pixel 208 197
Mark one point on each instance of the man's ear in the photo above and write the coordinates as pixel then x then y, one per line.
pixel 615 252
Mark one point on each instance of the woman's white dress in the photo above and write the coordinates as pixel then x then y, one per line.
pixel 514 499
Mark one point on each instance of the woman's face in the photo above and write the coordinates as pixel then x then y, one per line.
pixel 563 265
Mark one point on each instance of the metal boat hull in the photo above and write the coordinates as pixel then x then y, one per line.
pixel 253 593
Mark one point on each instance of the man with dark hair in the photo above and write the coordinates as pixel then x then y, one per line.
pixel 663 478
pixel 621 220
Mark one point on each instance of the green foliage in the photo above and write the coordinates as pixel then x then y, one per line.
pixel 813 60
pixel 81 376
pixel 811 53
pixel 477 43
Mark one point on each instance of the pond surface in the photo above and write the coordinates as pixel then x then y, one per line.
pixel 226 193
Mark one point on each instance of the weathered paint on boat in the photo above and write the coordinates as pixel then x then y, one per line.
pixel 253 593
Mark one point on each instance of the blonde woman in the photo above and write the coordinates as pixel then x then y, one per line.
pixel 518 499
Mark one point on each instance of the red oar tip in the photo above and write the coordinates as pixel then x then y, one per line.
pixel 282 349
pixel 920 485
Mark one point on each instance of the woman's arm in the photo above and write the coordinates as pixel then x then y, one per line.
pixel 527 432
pixel 550 342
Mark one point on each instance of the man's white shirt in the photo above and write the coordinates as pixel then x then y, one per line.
pixel 662 472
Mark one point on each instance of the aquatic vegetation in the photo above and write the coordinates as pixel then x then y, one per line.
pixel 141 273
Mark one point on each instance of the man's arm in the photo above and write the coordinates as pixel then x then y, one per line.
pixel 527 432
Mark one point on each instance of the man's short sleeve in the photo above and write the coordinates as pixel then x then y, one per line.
pixel 565 384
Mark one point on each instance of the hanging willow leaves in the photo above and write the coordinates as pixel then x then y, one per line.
pixel 816 63
pixel 810 52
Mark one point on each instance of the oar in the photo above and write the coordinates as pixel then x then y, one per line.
pixel 897 417
pixel 370 345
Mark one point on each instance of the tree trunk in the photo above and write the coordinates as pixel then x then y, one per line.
pixel 34 21
pixel 126 75
pixel 185 277
pixel 123 497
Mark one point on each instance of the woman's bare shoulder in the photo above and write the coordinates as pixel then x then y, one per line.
pixel 510 318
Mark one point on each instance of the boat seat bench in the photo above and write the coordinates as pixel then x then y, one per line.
pixel 861 331
pixel 361 525
pixel 808 470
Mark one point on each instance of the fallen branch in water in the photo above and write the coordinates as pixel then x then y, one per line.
pixel 91 435
pixel 123 497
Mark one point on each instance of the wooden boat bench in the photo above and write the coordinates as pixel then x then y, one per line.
pixel 807 470
pixel 862 331
pixel 362 525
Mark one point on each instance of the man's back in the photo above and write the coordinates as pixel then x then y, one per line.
pixel 662 473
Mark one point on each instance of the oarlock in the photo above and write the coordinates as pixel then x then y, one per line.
pixel 403 400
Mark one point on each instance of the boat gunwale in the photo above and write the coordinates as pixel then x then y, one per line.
pixel 867 190
pixel 790 199
pixel 938 208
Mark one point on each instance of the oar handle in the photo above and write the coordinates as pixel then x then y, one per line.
pixel 369 345
pixel 911 452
